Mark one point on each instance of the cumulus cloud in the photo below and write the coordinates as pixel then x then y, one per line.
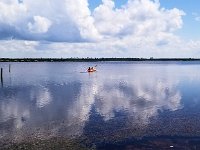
pixel 137 17
pixel 11 12
pixel 39 25
pixel 68 20
pixel 139 28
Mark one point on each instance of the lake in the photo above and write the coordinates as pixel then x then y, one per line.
pixel 124 105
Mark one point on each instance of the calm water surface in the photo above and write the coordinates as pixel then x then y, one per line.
pixel 121 100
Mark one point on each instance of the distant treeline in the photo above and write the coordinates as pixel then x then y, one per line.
pixel 92 59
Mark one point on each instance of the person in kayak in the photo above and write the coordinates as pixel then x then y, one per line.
pixel 89 69
pixel 92 69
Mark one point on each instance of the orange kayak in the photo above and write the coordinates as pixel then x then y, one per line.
pixel 91 70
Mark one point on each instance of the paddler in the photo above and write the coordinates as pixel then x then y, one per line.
pixel 89 69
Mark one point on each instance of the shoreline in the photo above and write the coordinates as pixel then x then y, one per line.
pixel 92 59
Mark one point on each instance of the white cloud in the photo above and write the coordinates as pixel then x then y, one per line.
pixel 68 20
pixel 111 48
pixel 80 14
pixel 140 28
pixel 40 25
pixel 137 18
pixel 11 13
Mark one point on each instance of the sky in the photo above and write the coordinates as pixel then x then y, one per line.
pixel 99 28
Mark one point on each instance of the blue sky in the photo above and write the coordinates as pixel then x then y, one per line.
pixel 99 28
pixel 190 28
pixel 95 3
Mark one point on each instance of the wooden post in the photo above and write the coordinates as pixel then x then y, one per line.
pixel 1 73
pixel 2 77
pixel 9 67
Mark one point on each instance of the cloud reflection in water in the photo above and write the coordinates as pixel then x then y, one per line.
pixel 140 97
pixel 64 108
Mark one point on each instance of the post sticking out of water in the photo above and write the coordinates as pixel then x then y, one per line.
pixel 9 67
pixel 1 73
pixel 2 76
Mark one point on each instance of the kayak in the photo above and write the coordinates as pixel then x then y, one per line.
pixel 91 70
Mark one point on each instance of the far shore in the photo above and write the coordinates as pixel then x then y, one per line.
pixel 92 59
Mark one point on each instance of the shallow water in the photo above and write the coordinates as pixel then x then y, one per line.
pixel 121 100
